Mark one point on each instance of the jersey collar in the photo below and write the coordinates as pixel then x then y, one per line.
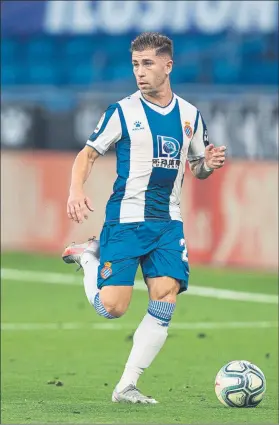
pixel 163 110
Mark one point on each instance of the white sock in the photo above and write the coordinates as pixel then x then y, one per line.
pixel 90 266
pixel 148 340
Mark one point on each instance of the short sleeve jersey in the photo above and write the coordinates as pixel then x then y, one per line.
pixel 152 145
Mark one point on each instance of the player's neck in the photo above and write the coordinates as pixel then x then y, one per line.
pixel 162 98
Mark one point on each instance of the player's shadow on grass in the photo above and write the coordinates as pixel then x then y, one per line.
pixel 235 409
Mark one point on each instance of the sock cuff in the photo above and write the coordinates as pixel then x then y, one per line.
pixel 161 310
pixel 100 309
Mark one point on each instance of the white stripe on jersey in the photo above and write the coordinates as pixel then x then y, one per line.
pixel 187 113
pixel 197 146
pixel 174 207
pixel 141 155
pixel 111 134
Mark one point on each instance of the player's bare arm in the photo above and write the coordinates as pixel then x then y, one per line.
pixel 214 158
pixel 78 204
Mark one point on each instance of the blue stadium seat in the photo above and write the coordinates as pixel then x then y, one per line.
pixel 44 47
pixel 122 72
pixel 9 75
pixel 271 70
pixel 196 45
pixel 79 47
pixel 80 73
pixel 119 49
pixel 43 72
pixel 258 72
pixel 8 50
pixel 186 68
pixel 224 71
pixel 23 77
pixel 253 45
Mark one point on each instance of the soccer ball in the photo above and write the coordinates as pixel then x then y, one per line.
pixel 240 384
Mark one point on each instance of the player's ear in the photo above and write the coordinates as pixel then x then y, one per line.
pixel 169 65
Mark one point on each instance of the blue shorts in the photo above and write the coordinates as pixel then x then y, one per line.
pixel 159 247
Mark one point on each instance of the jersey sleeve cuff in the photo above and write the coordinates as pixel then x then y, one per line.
pixel 98 150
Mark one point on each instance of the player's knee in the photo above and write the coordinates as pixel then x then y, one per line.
pixel 112 303
pixel 115 308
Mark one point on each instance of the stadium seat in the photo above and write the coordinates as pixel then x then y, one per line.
pixel 256 72
pixel 78 47
pixel 119 49
pixel 80 73
pixel 186 68
pixel 224 71
pixel 43 72
pixel 122 72
pixel 8 50
pixel 40 48
pixel 9 75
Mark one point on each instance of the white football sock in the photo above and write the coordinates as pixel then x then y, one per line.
pixel 148 340
pixel 90 266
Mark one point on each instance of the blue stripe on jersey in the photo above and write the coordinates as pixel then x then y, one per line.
pixel 205 136
pixel 196 121
pixel 123 169
pixel 108 114
pixel 182 180
pixel 161 182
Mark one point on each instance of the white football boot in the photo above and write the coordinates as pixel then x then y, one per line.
pixel 74 252
pixel 132 395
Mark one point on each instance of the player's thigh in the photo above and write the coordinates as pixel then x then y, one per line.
pixel 117 269
pixel 168 263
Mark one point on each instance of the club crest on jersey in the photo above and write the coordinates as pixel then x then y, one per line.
pixel 188 129
pixel 106 270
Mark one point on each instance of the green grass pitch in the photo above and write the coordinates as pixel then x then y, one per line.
pixel 89 361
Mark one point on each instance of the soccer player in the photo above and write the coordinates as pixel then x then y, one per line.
pixel 154 132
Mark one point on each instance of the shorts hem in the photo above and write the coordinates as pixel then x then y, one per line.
pixel 182 282
pixel 101 285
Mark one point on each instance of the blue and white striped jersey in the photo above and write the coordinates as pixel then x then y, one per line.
pixel 152 145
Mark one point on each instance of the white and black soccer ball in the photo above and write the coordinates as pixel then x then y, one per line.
pixel 240 384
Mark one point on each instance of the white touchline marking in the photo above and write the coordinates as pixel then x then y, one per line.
pixel 130 326
pixel 71 279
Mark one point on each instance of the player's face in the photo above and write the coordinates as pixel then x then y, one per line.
pixel 151 71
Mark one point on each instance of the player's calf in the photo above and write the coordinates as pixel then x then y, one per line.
pixel 113 301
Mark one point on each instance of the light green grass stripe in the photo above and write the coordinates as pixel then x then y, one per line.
pixel 71 279
pixel 130 326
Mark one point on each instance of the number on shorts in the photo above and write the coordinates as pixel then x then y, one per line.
pixel 184 252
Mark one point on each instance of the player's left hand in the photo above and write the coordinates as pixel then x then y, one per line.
pixel 215 156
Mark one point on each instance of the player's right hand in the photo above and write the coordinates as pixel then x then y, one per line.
pixel 215 156
pixel 78 206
